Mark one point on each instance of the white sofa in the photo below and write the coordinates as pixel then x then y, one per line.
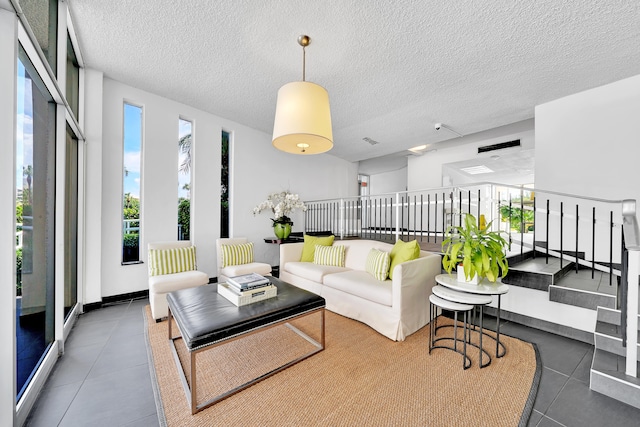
pixel 395 308
pixel 161 285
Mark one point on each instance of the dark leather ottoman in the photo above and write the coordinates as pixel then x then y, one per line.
pixel 206 319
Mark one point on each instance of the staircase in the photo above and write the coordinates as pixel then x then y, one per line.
pixel 578 251
pixel 608 368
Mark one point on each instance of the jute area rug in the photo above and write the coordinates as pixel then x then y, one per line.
pixel 360 379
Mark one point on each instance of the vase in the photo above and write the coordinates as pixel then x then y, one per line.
pixel 282 231
pixel 462 278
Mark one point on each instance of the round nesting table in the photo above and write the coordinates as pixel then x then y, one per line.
pixel 476 301
pixel 485 287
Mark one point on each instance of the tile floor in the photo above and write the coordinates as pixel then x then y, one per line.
pixel 103 377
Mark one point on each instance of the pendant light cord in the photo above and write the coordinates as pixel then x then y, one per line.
pixel 304 52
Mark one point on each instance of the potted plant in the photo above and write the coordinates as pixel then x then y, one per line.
pixel 479 251
pixel 282 205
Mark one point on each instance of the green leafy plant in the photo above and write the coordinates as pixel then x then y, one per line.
pixel 517 217
pixel 479 250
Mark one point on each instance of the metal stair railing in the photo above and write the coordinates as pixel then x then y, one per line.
pixel 585 231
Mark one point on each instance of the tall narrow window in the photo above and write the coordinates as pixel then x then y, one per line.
pixel 224 191
pixel 71 223
pixel 185 139
pixel 131 184
pixel 42 16
pixel 35 216
pixel 73 78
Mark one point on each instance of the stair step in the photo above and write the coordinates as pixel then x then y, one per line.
pixel 608 377
pixel 581 298
pixel 608 338
pixel 612 316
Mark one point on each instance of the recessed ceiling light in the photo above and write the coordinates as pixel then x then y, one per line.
pixel 476 170
pixel 418 148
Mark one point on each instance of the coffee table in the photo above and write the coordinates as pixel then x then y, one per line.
pixel 206 320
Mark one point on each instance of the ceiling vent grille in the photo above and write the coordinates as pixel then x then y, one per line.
pixel 500 146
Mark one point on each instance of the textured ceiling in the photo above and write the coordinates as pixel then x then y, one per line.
pixel 392 68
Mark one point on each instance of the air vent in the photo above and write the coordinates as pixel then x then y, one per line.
pixel 500 146
pixel 370 141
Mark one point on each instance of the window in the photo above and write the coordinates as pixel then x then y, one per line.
pixel 132 134
pixel 35 220
pixel 71 223
pixel 224 191
pixel 185 139
pixel 73 78
pixel 42 16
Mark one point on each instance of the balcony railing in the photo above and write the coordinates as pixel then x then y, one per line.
pixel 593 233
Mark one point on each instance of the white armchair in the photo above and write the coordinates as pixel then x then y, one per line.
pixel 170 271
pixel 243 265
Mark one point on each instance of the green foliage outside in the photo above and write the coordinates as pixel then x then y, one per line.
pixel 184 217
pixel 131 240
pixel 131 208
pixel 18 272
pixel 517 216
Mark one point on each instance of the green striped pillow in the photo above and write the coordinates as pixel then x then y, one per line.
pixel 236 254
pixel 170 261
pixel 378 264
pixel 329 255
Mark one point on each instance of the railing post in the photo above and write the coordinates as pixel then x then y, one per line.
pixel 632 313
pixel 397 216
pixel 631 238
pixel 342 224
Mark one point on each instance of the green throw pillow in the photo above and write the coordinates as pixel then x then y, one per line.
pixel 402 252
pixel 378 264
pixel 170 261
pixel 310 243
pixel 236 254
pixel 329 255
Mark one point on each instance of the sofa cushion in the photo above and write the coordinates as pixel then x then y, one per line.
pixel 310 271
pixel 252 267
pixel 361 284
pixel 171 260
pixel 378 264
pixel 310 243
pixel 329 255
pixel 236 254
pixel 172 282
pixel 402 252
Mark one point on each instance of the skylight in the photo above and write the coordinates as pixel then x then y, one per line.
pixel 476 170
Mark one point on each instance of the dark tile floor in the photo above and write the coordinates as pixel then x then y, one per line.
pixel 103 377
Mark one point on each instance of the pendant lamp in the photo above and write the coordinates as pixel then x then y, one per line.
pixel 302 123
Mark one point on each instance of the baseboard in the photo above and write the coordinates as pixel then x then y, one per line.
pixel 115 299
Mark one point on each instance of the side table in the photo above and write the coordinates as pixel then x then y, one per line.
pixel 485 287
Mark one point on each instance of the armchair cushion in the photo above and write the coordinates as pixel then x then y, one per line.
pixel 171 260
pixel 236 254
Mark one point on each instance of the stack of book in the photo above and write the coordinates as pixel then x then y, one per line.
pixel 247 288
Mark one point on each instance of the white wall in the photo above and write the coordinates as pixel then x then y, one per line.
pixel 426 171
pixel 257 169
pixel 589 143
pixel 388 182
pixel 93 184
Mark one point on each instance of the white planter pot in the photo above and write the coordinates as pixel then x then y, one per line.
pixel 463 279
